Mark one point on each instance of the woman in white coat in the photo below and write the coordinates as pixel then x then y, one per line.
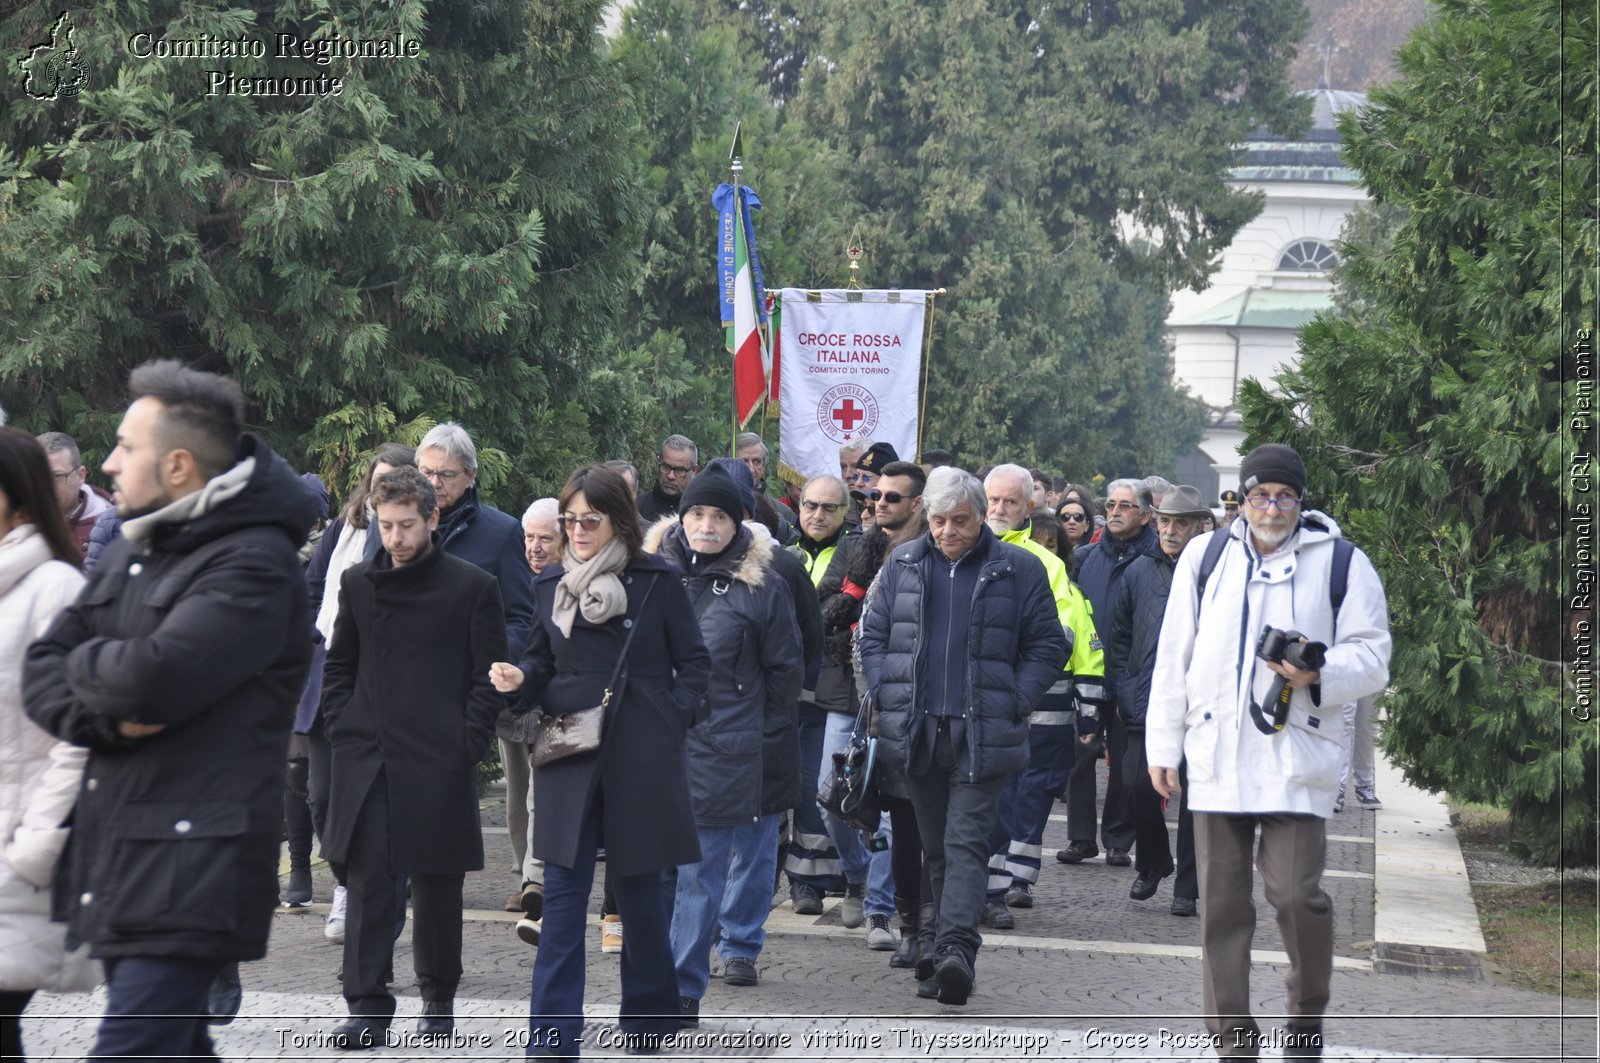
pixel 39 776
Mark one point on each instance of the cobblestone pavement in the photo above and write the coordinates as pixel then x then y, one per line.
pixel 1088 973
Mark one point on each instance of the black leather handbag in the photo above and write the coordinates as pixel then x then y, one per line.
pixel 851 792
pixel 580 731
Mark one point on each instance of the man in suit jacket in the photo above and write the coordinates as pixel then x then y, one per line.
pixel 409 711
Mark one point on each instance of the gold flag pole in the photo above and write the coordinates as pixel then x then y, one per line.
pixel 927 356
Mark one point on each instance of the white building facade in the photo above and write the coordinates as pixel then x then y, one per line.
pixel 1271 281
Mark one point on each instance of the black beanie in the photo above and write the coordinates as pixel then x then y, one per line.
pixel 712 486
pixel 1273 463
pixel 877 456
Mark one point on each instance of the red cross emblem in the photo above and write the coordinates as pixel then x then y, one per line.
pixel 847 413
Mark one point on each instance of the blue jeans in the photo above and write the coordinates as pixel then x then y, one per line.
pixel 858 863
pixel 649 990
pixel 155 1008
pixel 747 898
pixel 696 907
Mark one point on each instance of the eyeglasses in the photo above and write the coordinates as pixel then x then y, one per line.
pixel 674 470
pixel 590 521
pixel 1285 503
pixel 830 508
pixel 894 498
pixel 1076 518
pixel 1120 504
pixel 63 477
pixel 444 476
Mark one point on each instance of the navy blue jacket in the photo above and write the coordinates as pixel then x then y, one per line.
pixel 475 531
pixel 1137 611
pixel 1014 649
pixel 1100 567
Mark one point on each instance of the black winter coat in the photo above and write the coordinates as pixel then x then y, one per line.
pixel 201 626
pixel 406 691
pixel 1137 609
pixel 648 824
pixel 747 620
pixel 1015 650
pixel 1100 567
pixel 475 531
pixel 780 741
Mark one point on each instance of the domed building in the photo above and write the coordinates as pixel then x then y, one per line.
pixel 1271 281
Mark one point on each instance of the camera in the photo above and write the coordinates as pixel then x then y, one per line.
pixel 1281 647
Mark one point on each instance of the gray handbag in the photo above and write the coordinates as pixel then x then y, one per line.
pixel 559 737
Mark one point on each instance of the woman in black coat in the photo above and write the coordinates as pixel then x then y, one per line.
pixel 632 795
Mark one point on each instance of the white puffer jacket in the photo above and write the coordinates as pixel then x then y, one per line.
pixel 1207 671
pixel 39 779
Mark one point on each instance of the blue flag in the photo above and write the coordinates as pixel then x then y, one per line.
pixel 722 200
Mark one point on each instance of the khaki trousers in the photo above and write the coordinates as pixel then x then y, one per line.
pixel 1291 857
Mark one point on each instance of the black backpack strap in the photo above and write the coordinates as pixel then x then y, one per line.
pixel 1208 561
pixel 1339 578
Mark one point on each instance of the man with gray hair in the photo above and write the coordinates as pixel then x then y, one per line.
pixel 958 640
pixel 1128 536
pixel 475 531
pixel 541 538
pixel 676 465
pixel 629 473
pixel 81 502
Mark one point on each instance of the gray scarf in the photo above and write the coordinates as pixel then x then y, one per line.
pixel 591 587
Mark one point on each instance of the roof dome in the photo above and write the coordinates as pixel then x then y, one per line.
pixel 1314 155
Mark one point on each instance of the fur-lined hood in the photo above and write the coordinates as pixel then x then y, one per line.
pixel 751 568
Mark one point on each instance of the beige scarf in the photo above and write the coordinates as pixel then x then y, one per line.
pixel 591 587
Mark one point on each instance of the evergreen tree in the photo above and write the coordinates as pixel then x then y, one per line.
pixel 997 149
pixel 697 67
pixel 447 237
pixel 1429 404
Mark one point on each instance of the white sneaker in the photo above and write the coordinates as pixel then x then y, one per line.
pixel 611 934
pixel 529 930
pixel 334 931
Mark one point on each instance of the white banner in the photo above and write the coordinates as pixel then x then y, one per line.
pixel 850 369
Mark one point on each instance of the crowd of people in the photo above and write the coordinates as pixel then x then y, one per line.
pixel 674 674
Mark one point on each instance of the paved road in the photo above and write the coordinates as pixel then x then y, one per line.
pixel 1088 973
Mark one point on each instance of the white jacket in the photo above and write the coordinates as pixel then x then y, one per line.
pixel 39 779
pixel 1207 671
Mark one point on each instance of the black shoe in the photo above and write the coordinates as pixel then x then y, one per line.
pixel 1302 1041
pixel 1145 885
pixel 998 917
pixel 807 901
pixel 1118 858
pixel 953 976
pixel 1185 906
pixel 358 1032
pixel 438 1018
pixel 298 895
pixel 1020 895
pixel 739 971
pixel 224 996
pixel 905 953
pixel 927 988
pixel 1078 852
pixel 688 1012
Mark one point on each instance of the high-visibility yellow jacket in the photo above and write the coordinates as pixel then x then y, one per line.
pixel 1086 667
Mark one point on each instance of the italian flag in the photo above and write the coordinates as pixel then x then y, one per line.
pixel 751 360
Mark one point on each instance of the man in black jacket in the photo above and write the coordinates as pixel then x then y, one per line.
pixel 676 465
pixel 475 531
pixel 409 711
pixel 1128 536
pixel 1134 624
pixel 179 667
pixel 958 641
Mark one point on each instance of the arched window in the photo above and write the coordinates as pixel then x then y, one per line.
pixel 1311 255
